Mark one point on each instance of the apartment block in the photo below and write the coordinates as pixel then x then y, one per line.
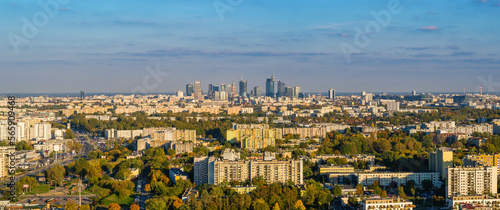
pixel 5 151
pixel 441 159
pixel 471 181
pixel 385 178
pixel 386 204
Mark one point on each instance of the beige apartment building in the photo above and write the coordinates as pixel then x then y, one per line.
pixel 441 159
pixel 4 163
pixel 471 181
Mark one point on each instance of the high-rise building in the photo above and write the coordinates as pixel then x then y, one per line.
pixel 233 90
pixel 393 106
pixel 198 92
pixel 281 89
pixel 224 88
pixel 289 92
pixel 413 93
pixel 482 160
pixel 243 88
pixel 257 91
pixel 471 181
pixel 210 93
pixel 215 171
pixel 441 159
pixel 296 91
pixel 5 152
pixel 189 89
pixel 270 87
pixel 331 94
pixel 82 95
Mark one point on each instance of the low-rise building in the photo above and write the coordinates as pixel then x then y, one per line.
pixel 386 203
pixel 385 178
pixel 457 202
pixel 176 174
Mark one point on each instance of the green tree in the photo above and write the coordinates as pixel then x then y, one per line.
pixel 401 192
pixel 337 191
pixel 69 134
pixel 55 173
pixel 71 205
pixel 359 189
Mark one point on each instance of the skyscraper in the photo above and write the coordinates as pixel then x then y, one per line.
pixel 189 89
pixel 243 88
pixel 296 91
pixel 210 93
pixel 257 91
pixel 82 95
pixel 331 94
pixel 289 92
pixel 198 92
pixel 233 90
pixel 281 89
pixel 270 87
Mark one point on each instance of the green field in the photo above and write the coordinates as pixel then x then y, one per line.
pixel 113 198
pixel 40 189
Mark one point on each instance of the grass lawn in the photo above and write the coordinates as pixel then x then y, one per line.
pixel 113 198
pixel 41 188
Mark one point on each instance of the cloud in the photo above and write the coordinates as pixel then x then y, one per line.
pixel 223 53
pixel 337 34
pixel 429 28
pixel 424 55
pixel 420 48
pixel 462 53
pixel 453 47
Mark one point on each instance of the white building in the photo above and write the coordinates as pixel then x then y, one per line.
pixel 385 178
pixel 471 180
pixel 386 203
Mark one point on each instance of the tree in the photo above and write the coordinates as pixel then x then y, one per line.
pixel 276 206
pixel 427 184
pixel 178 203
pixel 401 191
pixel 55 173
pixel 84 207
pixel 147 187
pixel 353 201
pixel 69 134
pixel 71 205
pixel 299 205
pixel 114 206
pixel 135 207
pixel 384 194
pixel 337 191
pixel 359 189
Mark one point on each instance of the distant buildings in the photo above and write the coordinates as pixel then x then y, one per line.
pixel 198 92
pixel 393 106
pixel 385 178
pixel 254 138
pixel 281 89
pixel 189 89
pixel 270 87
pixel 471 181
pixel 331 94
pixel 257 91
pixel 243 88
pixel 179 147
pixel 441 159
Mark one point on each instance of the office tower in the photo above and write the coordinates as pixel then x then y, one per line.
pixel 5 152
pixel 471 181
pixel 270 87
pixel 289 92
pixel 210 93
pixel 215 88
pixel 82 95
pixel 189 89
pixel 198 92
pixel 393 106
pixel 257 91
pixel 180 94
pixel 331 94
pixel 243 88
pixel 413 93
pixel 224 88
pixel 441 159
pixel 296 91
pixel 233 90
pixel 281 89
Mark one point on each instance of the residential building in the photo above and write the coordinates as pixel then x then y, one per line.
pixel 441 159
pixel 482 160
pixel 175 174
pixel 5 151
pixel 386 204
pixel 393 106
pixel 471 180
pixel 179 147
pixel 457 202
pixel 385 178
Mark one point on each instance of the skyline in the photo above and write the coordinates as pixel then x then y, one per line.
pixel 104 47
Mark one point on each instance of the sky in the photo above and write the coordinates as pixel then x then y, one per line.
pixel 153 46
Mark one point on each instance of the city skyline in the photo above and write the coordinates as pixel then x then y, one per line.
pixel 94 46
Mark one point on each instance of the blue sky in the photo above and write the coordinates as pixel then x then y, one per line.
pixel 105 46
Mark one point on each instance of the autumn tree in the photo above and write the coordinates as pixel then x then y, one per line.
pixel 135 207
pixel 299 205
pixel 114 206
pixel 71 205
